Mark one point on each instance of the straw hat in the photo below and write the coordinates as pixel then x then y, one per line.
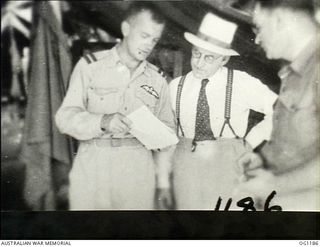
pixel 215 34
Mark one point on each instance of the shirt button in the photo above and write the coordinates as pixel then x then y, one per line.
pixel 101 98
pixel 126 108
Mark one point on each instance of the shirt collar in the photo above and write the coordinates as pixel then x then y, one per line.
pixel 116 59
pixel 220 74
pixel 142 68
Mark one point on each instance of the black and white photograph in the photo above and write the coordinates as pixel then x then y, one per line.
pixel 160 120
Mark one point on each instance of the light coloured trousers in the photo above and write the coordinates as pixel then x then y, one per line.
pixel 304 200
pixel 112 178
pixel 202 176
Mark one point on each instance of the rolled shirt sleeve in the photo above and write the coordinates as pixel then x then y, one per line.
pixel 261 99
pixel 72 118
pixel 165 112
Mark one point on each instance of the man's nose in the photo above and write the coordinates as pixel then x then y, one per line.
pixel 200 61
pixel 257 40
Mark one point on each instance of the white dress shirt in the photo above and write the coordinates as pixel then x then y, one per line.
pixel 247 93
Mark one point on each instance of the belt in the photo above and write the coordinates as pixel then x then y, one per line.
pixel 116 142
pixel 187 143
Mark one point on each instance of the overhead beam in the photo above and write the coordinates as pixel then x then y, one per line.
pixel 225 6
pixel 173 13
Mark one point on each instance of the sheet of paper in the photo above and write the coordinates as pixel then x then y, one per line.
pixel 150 131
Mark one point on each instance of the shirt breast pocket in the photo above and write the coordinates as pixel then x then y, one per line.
pixel 147 99
pixel 103 100
pixel 305 123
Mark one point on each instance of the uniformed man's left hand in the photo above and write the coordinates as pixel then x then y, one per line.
pixel 115 123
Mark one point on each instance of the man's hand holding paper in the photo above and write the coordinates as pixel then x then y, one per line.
pixel 150 131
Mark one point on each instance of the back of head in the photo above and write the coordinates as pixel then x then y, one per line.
pixel 284 27
pixel 136 8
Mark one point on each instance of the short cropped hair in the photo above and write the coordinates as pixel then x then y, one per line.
pixel 306 6
pixel 136 8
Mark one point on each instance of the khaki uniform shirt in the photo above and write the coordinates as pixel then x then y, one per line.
pixel 295 137
pixel 105 86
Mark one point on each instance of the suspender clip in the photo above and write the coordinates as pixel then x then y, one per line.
pixel 194 146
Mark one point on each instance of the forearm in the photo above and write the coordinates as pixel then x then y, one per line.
pixel 78 123
pixel 260 99
pixel 260 132
pixel 163 161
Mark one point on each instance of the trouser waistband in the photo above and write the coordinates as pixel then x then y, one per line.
pixel 116 142
pixel 186 143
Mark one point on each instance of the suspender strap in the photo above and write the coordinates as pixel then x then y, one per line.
pixel 87 59
pixel 227 112
pixel 93 57
pixel 178 99
pixel 227 108
pixel 90 58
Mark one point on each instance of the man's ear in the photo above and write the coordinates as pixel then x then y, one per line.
pixel 125 28
pixel 225 59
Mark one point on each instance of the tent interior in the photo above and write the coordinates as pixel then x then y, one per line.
pixel 95 25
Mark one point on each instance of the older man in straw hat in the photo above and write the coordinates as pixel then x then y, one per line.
pixel 212 105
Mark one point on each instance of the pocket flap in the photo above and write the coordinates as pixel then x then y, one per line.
pixel 101 91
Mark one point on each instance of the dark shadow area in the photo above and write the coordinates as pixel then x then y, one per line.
pixel 12 182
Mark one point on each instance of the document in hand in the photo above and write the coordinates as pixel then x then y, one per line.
pixel 150 131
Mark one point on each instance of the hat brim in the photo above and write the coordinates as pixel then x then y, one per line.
pixel 196 41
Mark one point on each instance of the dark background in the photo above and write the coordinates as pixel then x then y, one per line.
pixel 160 225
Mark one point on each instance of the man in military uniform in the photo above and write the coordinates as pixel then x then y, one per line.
pixel 112 169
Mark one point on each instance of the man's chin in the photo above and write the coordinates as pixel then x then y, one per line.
pixel 271 56
pixel 199 75
pixel 142 56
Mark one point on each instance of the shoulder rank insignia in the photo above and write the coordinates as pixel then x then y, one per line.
pixel 158 70
pixel 90 58
pixel 162 73
pixel 151 91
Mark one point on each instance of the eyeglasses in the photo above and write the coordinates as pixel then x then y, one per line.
pixel 259 26
pixel 207 58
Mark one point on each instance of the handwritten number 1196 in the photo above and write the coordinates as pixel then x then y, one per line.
pixel 248 204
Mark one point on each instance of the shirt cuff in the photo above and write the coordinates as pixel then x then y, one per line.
pixel 97 124
pixel 253 140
